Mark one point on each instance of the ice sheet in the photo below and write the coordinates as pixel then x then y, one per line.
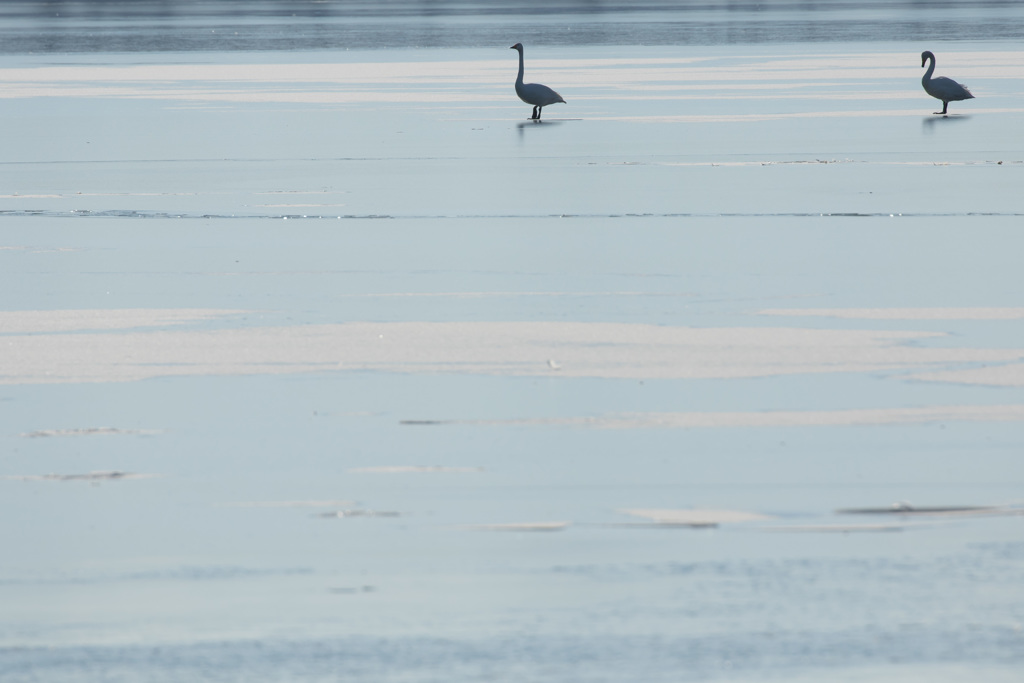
pixel 354 309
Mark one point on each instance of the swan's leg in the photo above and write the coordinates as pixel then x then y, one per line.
pixel 945 103
pixel 538 112
pixel 534 115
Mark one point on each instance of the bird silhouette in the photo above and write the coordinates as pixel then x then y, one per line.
pixel 536 94
pixel 942 88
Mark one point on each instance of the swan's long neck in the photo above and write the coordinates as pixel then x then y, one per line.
pixel 931 69
pixel 519 78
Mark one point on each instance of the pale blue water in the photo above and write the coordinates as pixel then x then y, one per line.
pixel 162 25
pixel 309 213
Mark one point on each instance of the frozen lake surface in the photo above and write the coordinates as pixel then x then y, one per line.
pixel 321 362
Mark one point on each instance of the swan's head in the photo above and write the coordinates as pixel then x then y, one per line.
pixel 925 56
pixel 517 46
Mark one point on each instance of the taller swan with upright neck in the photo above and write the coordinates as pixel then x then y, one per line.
pixel 536 94
pixel 941 88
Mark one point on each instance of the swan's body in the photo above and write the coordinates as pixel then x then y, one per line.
pixel 941 88
pixel 536 94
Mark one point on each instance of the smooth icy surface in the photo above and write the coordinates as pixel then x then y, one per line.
pixel 325 364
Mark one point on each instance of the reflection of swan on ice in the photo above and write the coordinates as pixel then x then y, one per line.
pixel 536 94
pixel 942 88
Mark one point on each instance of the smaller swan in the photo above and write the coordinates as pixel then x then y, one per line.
pixel 942 88
pixel 536 94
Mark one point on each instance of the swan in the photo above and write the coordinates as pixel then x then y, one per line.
pixel 942 88
pixel 536 94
